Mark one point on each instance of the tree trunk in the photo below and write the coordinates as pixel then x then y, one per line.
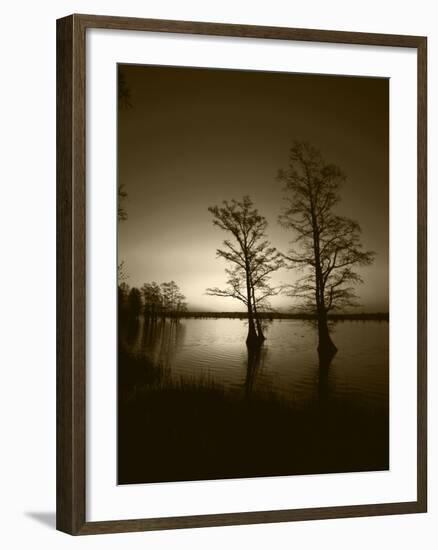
pixel 326 347
pixel 252 338
pixel 260 334
pixel 252 367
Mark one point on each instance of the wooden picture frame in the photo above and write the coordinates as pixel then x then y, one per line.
pixel 71 274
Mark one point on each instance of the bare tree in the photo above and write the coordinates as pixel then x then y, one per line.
pixel 121 273
pixel 135 304
pixel 326 246
pixel 251 256
pixel 173 301
pixel 123 92
pixel 180 304
pixel 152 298
pixel 124 102
pixel 164 300
pixel 122 215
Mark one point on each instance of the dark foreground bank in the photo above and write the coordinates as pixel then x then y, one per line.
pixel 194 429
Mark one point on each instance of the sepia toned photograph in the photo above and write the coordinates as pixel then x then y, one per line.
pixel 253 274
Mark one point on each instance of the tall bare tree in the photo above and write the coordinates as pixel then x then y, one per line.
pixel 252 259
pixel 165 300
pixel 152 298
pixel 173 300
pixel 327 246
pixel 123 92
pixel 124 102
pixel 135 303
pixel 122 215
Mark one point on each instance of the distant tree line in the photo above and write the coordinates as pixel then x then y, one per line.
pixel 273 314
pixel 153 301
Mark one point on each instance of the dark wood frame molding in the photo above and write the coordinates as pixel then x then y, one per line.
pixel 71 266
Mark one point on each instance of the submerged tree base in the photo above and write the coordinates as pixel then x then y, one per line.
pixel 325 359
pixel 326 349
pixel 326 355
pixel 255 340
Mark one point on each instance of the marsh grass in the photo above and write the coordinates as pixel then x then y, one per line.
pixel 193 428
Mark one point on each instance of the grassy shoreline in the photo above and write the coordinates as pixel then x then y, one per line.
pixel 194 429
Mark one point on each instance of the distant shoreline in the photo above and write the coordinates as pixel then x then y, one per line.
pixel 277 315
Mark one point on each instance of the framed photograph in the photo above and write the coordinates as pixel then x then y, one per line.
pixel 241 288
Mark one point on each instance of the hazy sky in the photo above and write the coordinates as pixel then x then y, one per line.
pixel 194 137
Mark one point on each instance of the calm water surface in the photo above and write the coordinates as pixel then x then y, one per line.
pixel 287 364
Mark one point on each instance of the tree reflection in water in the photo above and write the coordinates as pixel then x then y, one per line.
pixel 161 340
pixel 324 378
pixel 255 359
